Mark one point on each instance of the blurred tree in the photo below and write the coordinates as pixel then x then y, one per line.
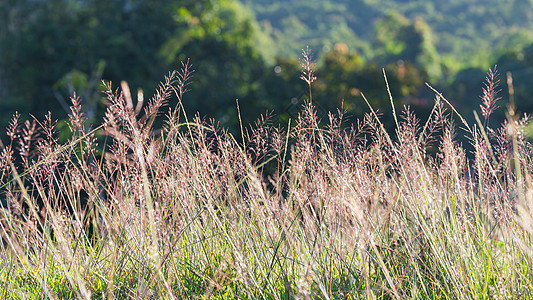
pixel 519 64
pixel 86 86
pixel 224 44
pixel 320 24
pixel 284 91
pixel 59 36
pixel 399 39
pixel 344 76
pixel 42 42
pixel 15 18
pixel 467 85
pixel 341 80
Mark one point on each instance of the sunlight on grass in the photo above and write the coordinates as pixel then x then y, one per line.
pixel 308 210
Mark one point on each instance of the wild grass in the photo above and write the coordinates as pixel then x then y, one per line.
pixel 305 210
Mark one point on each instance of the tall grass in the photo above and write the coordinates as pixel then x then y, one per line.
pixel 307 210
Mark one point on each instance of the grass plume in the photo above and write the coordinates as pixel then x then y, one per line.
pixel 329 211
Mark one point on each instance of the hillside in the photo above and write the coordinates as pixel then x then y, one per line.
pixel 465 33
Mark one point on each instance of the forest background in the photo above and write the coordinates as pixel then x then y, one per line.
pixel 248 50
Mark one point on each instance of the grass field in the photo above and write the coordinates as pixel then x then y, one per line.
pixel 305 210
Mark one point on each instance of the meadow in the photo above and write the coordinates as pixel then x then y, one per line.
pixel 313 209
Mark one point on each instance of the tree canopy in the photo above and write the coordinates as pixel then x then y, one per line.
pixel 248 50
pixel 44 42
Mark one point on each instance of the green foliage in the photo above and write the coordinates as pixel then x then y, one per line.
pixel 399 39
pixel 514 67
pixel 224 45
pixel 59 36
pixel 246 51
pixel 319 24
pixel 519 65
pixel 465 33
pixel 45 42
